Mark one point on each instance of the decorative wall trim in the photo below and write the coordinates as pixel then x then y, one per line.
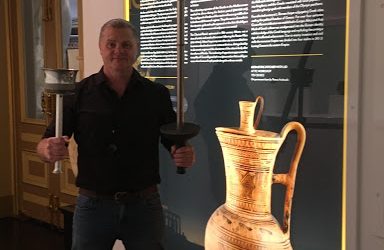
pixel 28 177
pixel 29 137
pixel 33 198
pixel 66 185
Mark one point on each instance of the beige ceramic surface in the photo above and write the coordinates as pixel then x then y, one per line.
pixel 245 220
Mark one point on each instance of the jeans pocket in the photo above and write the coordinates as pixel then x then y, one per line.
pixel 85 202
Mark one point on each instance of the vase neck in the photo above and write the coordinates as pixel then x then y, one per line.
pixel 248 123
pixel 249 192
pixel 247 113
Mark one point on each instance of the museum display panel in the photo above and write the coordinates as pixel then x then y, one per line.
pixel 292 53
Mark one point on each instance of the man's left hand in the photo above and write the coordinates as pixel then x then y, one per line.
pixel 183 156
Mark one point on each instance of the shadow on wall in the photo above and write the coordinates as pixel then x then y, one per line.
pixel 174 238
pixel 216 105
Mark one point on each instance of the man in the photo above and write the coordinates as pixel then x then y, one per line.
pixel 115 116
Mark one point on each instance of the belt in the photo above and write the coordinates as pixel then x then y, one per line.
pixel 120 196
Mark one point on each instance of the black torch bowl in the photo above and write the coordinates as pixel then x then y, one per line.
pixel 179 135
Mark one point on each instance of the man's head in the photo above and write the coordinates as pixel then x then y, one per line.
pixel 119 23
pixel 119 45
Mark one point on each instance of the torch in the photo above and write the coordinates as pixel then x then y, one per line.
pixel 60 82
pixel 180 131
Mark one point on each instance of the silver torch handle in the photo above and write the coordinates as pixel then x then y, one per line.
pixel 59 128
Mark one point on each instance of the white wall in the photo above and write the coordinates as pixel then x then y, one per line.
pixel 372 127
pixel 365 168
pixel 95 14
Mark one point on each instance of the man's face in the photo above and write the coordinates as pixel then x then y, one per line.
pixel 118 48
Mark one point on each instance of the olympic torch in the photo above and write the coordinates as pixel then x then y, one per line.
pixel 60 82
pixel 180 131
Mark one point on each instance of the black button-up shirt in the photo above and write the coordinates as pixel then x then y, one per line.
pixel 117 137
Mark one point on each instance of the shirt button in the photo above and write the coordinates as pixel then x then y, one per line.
pixel 112 148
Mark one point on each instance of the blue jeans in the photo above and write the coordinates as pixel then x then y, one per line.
pixel 138 223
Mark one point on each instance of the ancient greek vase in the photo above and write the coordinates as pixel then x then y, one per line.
pixel 245 221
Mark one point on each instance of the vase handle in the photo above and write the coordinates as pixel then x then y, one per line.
pixel 259 100
pixel 289 179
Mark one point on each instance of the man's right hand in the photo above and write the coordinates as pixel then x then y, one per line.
pixel 53 149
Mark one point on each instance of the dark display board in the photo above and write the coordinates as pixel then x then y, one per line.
pixel 291 52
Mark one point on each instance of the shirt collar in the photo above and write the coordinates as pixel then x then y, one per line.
pixel 134 82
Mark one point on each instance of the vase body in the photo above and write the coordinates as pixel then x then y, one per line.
pixel 245 220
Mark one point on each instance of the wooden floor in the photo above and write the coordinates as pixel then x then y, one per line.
pixel 28 234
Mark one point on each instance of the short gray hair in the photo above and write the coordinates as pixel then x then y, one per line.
pixel 119 23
